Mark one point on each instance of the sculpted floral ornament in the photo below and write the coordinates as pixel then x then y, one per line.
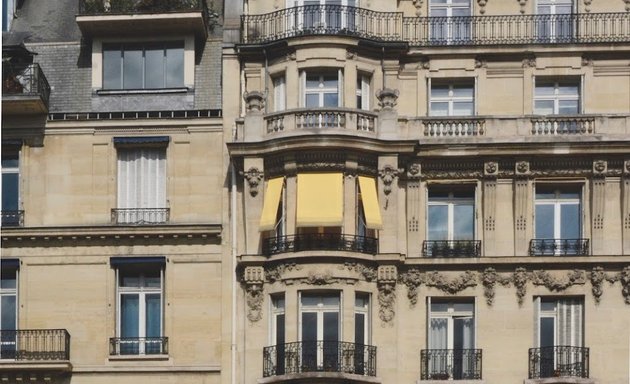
pixel 491 168
pixel 522 167
pixel 575 277
pixel 597 281
pixel 599 167
pixel 367 272
pixel 489 278
pixel 388 174
pixel 412 279
pixel 519 279
pixel 388 98
pixel 253 279
pixel 624 278
pixel 441 282
pixel 387 276
pixel 253 176
pixel 276 272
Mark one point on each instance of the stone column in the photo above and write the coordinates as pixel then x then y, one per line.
pixel 415 206
pixel 490 171
pixel 350 200
pixel 254 127
pixel 290 171
pixel 598 188
pixel 253 194
pixel 522 212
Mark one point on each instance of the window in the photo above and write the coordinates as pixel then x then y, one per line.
pixel 139 320
pixel 557 97
pixel 452 99
pixel 8 11
pixel 451 339
pixel 11 215
pixel 558 220
pixel 450 22
pixel 141 181
pixel 363 92
pixel 279 93
pixel 324 15
pixel 451 214
pixel 321 89
pixel 277 333
pixel 320 329
pixel 556 20
pixel 361 331
pixel 8 310
pixel 560 335
pixel 143 66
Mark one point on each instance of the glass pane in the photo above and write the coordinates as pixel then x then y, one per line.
pixel 463 307
pixel 312 81
pixel 462 108
pixel 570 195
pixel 361 301
pixel 152 279
pixel 129 316
pixel 570 221
pixel 545 221
pixel 462 91
pixel 543 107
pixel 438 222
pixel 8 303
pixel 331 301
pixel 309 326
pixel 463 333
pixel 547 332
pixel 568 107
pixel 548 306
pixel 330 81
pixel 10 161
pixel 545 89
pixel 545 193
pixel 439 91
pixel 439 108
pixel 331 100
pixel 279 329
pixel 174 67
pixel 154 319
pixel 464 222
pixel 312 100
pixel 154 67
pixel 359 328
pixel 461 11
pixel 111 69
pixel 8 280
pixel 310 300
pixel 331 326
pixel 278 303
pixel 438 334
pixel 128 279
pixel 439 307
pixel 568 89
pixel 132 68
pixel 10 191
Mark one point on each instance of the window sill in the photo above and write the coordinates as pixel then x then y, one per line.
pixel 142 91
pixel 139 358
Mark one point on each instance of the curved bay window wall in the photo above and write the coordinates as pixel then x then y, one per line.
pixel 319 215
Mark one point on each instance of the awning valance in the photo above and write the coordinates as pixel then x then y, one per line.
pixel 270 204
pixel 367 186
pixel 319 200
pixel 121 261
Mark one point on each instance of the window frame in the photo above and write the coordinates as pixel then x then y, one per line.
pixel 450 202
pixel 321 90
pixel 161 175
pixel 365 311
pixel 450 316
pixel 539 314
pixel 451 99
pixel 450 30
pixel 363 91
pixel 13 170
pixel 8 292
pixel 279 83
pixel 557 96
pixel 558 202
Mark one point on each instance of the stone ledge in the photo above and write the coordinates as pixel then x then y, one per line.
pixel 328 377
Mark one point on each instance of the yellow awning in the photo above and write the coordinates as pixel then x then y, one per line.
pixel 369 198
pixel 319 200
pixel 270 205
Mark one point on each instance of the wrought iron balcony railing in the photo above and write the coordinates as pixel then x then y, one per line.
pixel 319 356
pixel 451 248
pixel 436 31
pixel 35 344
pixel 319 242
pixel 108 7
pixel 25 81
pixel 138 346
pixel 558 361
pixel 563 125
pixel 140 216
pixel 13 218
pixel 450 364
pixel 559 247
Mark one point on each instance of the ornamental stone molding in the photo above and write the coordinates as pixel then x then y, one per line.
pixel 253 278
pixel 528 62
pixel 599 168
pixel 254 101
pixel 412 279
pixel 438 280
pixel 491 169
pixel 482 6
pixel 523 4
pixel 587 5
pixel 521 169
pixel 368 273
pixel 387 276
pixel 597 277
pixel 624 278
pixel 519 279
pixel 388 98
pixel 388 174
pixel 490 278
pixel 418 5
pixel 277 272
pixel 253 176
pixel 627 5
pixel 557 284
pixel 414 171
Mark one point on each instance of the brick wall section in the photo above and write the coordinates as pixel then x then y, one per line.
pixel 208 77
pixel 69 73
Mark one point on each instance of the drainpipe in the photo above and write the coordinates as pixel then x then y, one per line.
pixel 233 261
pixel 266 76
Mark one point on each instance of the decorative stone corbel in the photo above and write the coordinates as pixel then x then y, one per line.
pixel 386 282
pixel 388 174
pixel 491 169
pixel 521 169
pixel 253 176
pixel 253 278
pixel 627 5
pixel 388 98
pixel 481 63
pixel 522 3
pixel 587 61
pixel 482 6
pixel 597 281
pixel 418 5
pixel 587 5
pixel 529 62
pixel 600 168
pixel 254 101
pixel 624 278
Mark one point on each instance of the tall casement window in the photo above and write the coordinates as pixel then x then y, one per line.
pixel 448 23
pixel 558 221
pixel 451 340
pixel 9 305
pixel 555 21
pixel 321 89
pixel 143 66
pixel 277 333
pixel 361 331
pixel 141 180
pixel 559 332
pixel 140 284
pixel 324 16
pixel 557 97
pixel 451 99
pixel 11 214
pixel 320 330
pixel 279 93
pixel 363 92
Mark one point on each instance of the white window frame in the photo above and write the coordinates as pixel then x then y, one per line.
pixel 320 309
pixel 552 4
pixel 364 310
pixel 15 170
pixel 276 310
pixel 279 92
pixel 142 292
pixel 557 97
pixel 321 90
pixel 576 327
pixel 450 26
pixel 363 92
pixel 450 317
pixel 451 99
pixel 557 204
pixel 12 292
pixel 451 201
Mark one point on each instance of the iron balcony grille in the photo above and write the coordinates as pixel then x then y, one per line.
pixel 559 247
pixel 451 248
pixel 35 344
pixel 120 346
pixel 319 356
pixel 108 7
pixel 25 81
pixel 13 218
pixel 436 31
pixel 450 364
pixel 140 216
pixel 558 361
pixel 319 242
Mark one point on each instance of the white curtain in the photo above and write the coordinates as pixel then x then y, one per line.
pixel 570 322
pixel 438 334
pixel 142 178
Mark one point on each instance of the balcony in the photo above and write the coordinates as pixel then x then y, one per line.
pixel 454 127
pixel 451 248
pixel 319 242
pixel 128 346
pixel 140 216
pixel 35 345
pixel 313 20
pixel 143 17
pixel 13 218
pixel 559 247
pixel 319 356
pixel 450 364
pixel 558 361
pixel 25 90
pixel 326 119
pixel 563 125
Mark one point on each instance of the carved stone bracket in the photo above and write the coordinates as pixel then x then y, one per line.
pixel 575 277
pixel 490 278
pixel 418 5
pixel 523 4
pixel 597 277
pixel 387 276
pixel 253 176
pixel 388 98
pixel 388 174
pixel 519 279
pixel 627 5
pixel 529 62
pixel 482 6
pixel 587 5
pixel 491 169
pixel 521 169
pixel 599 168
pixel 254 101
pixel 414 171
pixel 253 278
